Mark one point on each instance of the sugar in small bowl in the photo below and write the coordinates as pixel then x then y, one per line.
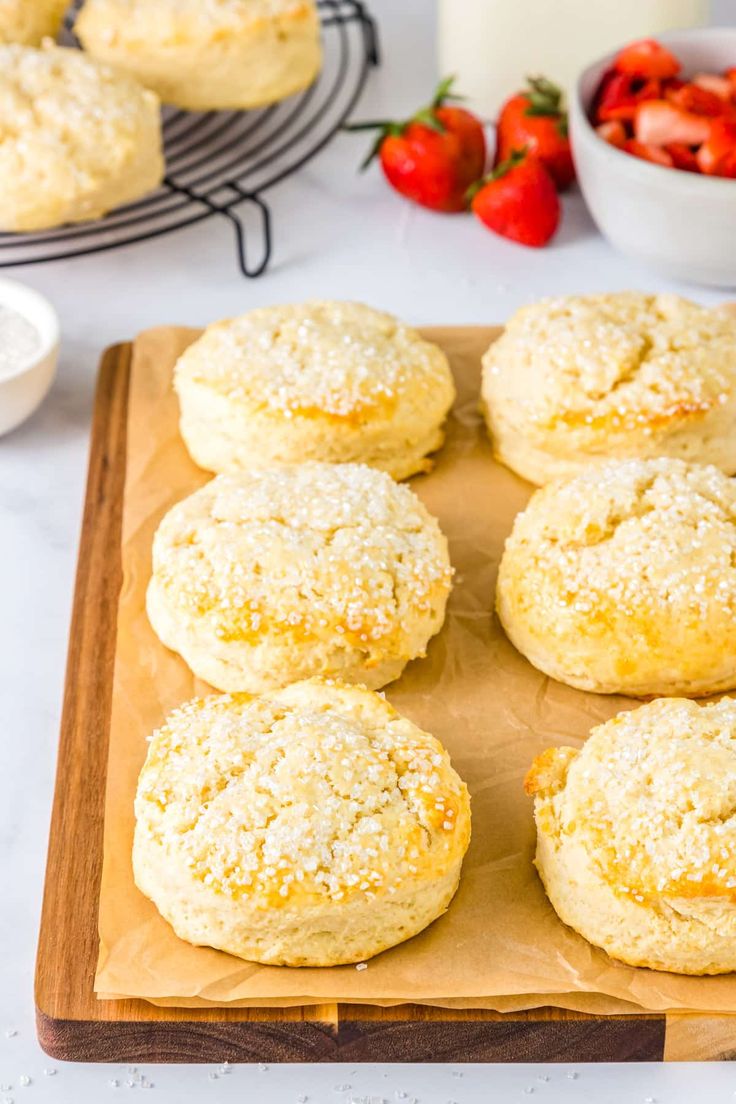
pixel 29 349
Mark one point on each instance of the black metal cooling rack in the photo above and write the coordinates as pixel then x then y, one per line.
pixel 220 162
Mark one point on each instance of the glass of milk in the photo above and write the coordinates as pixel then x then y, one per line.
pixel 492 45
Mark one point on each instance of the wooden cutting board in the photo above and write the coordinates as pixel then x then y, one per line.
pixel 74 1025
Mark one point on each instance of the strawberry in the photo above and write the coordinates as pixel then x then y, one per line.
pixel 683 157
pixel 518 200
pixel 647 58
pixel 613 132
pixel 656 154
pixel 730 76
pixel 536 120
pixel 659 123
pixel 717 155
pixel 433 157
pixel 619 95
pixel 695 98
pixel 711 82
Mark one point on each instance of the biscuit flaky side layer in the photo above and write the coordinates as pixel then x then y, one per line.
pixel 325 380
pixel 77 138
pixel 207 55
pixel 636 842
pixel 312 826
pixel 623 580
pixel 28 22
pixel 273 575
pixel 579 380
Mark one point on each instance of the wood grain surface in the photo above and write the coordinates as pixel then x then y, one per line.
pixel 74 1025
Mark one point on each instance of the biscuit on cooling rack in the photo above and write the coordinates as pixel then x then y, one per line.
pixel 77 138
pixel 206 56
pixel 28 22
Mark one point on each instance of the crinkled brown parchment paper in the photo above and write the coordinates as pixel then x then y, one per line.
pixel 500 946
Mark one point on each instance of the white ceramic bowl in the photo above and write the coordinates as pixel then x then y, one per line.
pixel 678 222
pixel 24 389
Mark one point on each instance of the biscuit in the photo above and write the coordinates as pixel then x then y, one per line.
pixel 583 379
pixel 623 580
pixel 208 56
pixel 28 22
pixel 636 835
pixel 270 576
pixel 329 381
pixel 76 138
pixel 311 826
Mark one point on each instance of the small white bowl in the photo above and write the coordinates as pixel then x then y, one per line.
pixel 678 222
pixel 25 388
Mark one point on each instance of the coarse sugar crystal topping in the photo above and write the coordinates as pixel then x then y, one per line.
pixel 636 536
pixel 316 791
pixel 311 551
pixel 616 362
pixel 652 798
pixel 341 359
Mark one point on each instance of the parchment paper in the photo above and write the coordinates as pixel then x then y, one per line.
pixel 500 945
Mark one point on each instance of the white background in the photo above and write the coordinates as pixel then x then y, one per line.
pixel 338 234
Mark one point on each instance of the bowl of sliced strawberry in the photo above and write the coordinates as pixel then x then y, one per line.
pixel 653 129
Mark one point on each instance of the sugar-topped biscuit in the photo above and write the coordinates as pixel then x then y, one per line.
pixel 636 835
pixel 582 379
pixel 274 575
pixel 623 580
pixel 207 55
pixel 331 381
pixel 77 138
pixel 310 826
pixel 28 22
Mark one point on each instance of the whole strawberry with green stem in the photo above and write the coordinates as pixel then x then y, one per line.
pixel 518 200
pixel 433 157
pixel 536 120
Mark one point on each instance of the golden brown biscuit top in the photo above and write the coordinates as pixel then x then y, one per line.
pixel 166 21
pixel 622 362
pixel 309 551
pixel 58 100
pixel 318 790
pixel 342 359
pixel 638 537
pixel 651 797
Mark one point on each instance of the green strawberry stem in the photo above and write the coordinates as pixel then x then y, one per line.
pixel 426 116
pixel 515 158
pixel 545 97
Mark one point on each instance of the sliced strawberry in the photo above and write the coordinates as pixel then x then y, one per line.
pixel 695 98
pixel 717 155
pixel 683 157
pixel 619 94
pixel 613 132
pixel 647 58
pixel 730 76
pixel 711 82
pixel 656 154
pixel 660 123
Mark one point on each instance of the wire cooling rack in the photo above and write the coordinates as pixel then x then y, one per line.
pixel 219 163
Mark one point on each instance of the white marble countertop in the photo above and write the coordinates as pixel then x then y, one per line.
pixel 338 234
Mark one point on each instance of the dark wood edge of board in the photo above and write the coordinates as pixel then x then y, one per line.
pixel 507 1039
pixel 73 1025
